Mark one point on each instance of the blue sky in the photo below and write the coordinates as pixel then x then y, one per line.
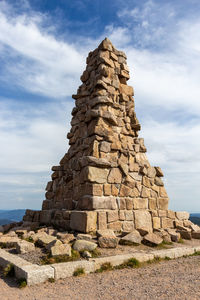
pixel 43 47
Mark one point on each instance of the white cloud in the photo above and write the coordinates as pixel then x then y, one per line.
pixel 32 139
pixel 35 59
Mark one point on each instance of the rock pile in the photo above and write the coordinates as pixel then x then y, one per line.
pixel 105 180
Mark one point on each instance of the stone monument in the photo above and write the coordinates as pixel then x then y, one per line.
pixel 105 180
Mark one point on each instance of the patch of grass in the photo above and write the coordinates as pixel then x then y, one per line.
pixel 104 267
pixel 52 280
pixel 167 258
pixel 9 271
pixel 196 253
pixel 94 253
pixel 156 259
pixel 79 272
pixel 75 255
pixel 29 239
pixel 48 259
pixel 181 241
pixel 133 263
pixel 22 283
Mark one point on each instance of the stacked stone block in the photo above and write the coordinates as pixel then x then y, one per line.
pixel 105 178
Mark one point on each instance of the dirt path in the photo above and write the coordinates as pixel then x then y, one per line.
pixel 175 279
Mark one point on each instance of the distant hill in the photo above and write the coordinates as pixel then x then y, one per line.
pixel 195 218
pixel 9 216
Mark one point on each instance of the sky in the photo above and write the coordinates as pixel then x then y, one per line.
pixel 43 50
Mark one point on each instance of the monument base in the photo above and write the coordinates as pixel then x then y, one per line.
pixel 117 220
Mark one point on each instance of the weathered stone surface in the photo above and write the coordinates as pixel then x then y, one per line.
pixel 132 238
pixel 116 226
pixel 62 249
pixel 140 203
pixel 86 237
pixel 81 245
pixel 45 239
pixel 159 172
pixel 83 221
pixel 101 220
pixel 182 215
pixel 112 216
pixel 52 244
pixel 24 247
pixel 194 227
pixel 143 221
pixel 106 241
pixel 175 236
pixel 128 226
pixel 196 234
pixel 152 239
pixel 156 222
pixel 167 223
pixel 115 176
pixel 185 234
pixel 98 175
pixel 65 237
pixel 163 203
pixel 8 241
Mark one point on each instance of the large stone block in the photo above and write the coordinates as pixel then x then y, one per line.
pixel 140 203
pixel 167 223
pixel 182 215
pixel 104 203
pixel 94 174
pixel 156 223
pixel 115 176
pixel 143 220
pixel 113 216
pixel 45 217
pixel 83 221
pixel 163 203
pixel 101 220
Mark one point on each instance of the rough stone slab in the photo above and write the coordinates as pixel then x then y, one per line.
pixel 81 245
pixel 120 259
pixel 64 270
pixel 83 221
pixel 7 258
pixel 34 274
pixel 182 215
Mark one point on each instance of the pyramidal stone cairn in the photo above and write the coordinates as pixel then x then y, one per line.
pixel 105 180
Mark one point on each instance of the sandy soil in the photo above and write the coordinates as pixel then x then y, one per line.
pixel 175 279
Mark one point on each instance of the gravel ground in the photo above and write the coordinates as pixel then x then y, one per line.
pixel 176 279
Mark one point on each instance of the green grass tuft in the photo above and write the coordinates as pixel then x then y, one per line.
pixel 181 241
pixel 22 283
pixel 104 267
pixel 167 258
pixel 79 272
pixel 48 259
pixel 29 239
